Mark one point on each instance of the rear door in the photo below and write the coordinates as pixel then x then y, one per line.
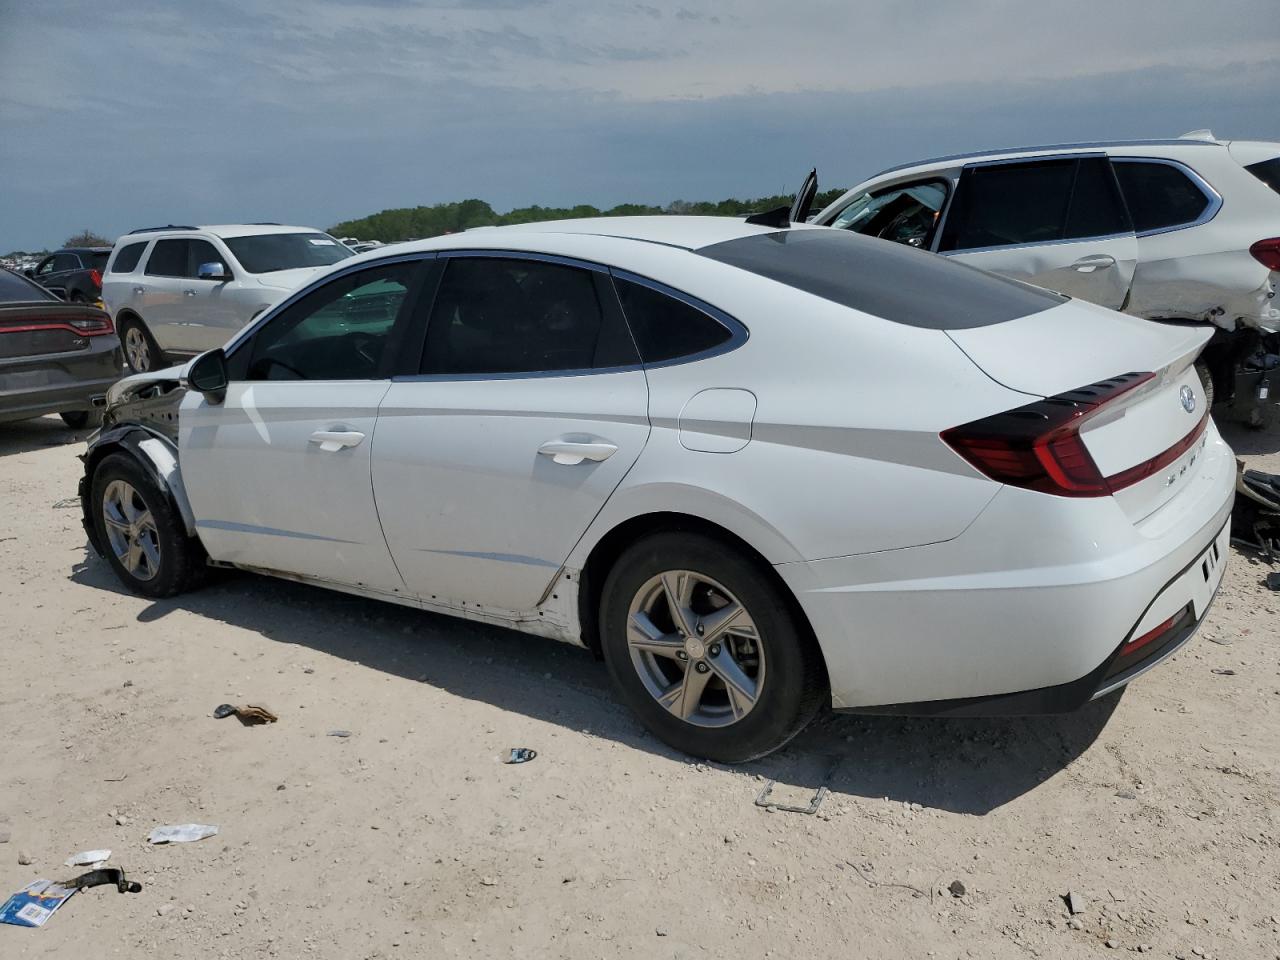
pixel 1058 222
pixel 528 409
pixel 278 473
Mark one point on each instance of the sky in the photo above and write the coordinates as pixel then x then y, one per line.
pixel 122 115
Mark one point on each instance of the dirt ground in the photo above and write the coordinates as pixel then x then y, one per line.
pixel 408 839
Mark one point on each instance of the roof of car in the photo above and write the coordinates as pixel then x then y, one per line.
pixel 687 233
pixel 227 229
pixel 84 250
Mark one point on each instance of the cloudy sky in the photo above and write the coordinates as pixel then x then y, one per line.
pixel 119 115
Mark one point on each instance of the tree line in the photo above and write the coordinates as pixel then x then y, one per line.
pixel 416 223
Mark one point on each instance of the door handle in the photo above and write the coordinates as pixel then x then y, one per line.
pixel 189 293
pixel 1097 262
pixel 333 440
pixel 139 289
pixel 572 452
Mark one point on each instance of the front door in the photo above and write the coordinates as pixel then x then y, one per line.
pixel 1059 223
pixel 528 411
pixel 279 473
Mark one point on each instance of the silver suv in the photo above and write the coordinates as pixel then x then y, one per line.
pixel 1182 230
pixel 180 290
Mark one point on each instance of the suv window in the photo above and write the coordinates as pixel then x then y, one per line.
pixel 906 213
pixel 127 259
pixel 1034 202
pixel 98 259
pixel 65 261
pixel 1268 171
pixel 666 328
pixel 168 259
pixel 201 251
pixel 337 332
pixel 267 252
pixel 1159 195
pixel 509 315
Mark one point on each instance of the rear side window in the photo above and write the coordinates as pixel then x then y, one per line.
pixel 496 315
pixel 887 280
pixel 65 261
pixel 1096 209
pixel 127 259
pixel 16 289
pixel 1268 171
pixel 1159 195
pixel 168 259
pixel 665 328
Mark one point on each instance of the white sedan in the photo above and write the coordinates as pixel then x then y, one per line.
pixel 755 468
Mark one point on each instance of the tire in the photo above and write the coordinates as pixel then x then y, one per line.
pixel 78 297
pixel 167 560
pixel 1206 383
pixel 141 352
pixel 78 419
pixel 773 653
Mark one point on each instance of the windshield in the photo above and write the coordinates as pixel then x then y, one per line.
pixel 268 252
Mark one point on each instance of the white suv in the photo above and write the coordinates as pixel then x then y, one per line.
pixel 183 290
pixel 1174 230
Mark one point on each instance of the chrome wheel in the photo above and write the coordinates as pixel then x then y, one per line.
pixel 131 530
pixel 696 649
pixel 137 349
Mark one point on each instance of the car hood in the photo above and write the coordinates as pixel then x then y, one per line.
pixel 288 279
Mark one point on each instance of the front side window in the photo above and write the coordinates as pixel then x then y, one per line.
pixel 45 267
pixel 127 259
pixel 168 259
pixel 200 252
pixel 65 261
pixel 903 214
pixel 268 252
pixel 337 332
pixel 1159 195
pixel 497 315
pixel 666 328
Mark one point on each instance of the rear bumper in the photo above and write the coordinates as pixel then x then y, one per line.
pixel 34 386
pixel 1027 610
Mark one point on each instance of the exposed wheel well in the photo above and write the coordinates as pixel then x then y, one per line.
pixel 605 553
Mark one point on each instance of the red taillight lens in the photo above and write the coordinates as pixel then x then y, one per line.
pixel 96 277
pixel 93 326
pixel 1177 621
pixel 1267 253
pixel 1038 447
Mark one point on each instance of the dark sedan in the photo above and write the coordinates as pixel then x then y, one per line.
pixel 55 357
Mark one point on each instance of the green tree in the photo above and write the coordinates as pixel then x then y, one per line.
pixel 87 238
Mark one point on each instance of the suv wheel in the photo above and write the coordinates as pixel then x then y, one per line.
pixel 140 530
pixel 704 646
pixel 141 352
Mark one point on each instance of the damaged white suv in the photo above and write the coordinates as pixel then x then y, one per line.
pixel 1174 230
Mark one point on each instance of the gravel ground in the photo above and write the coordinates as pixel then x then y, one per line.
pixel 1158 808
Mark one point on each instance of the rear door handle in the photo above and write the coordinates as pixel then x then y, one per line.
pixel 572 452
pixel 1098 262
pixel 333 440
pixel 189 293
pixel 139 289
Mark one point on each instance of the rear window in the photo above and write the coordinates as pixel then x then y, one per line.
pixel 888 280
pixel 1268 171
pixel 98 259
pixel 1159 195
pixel 16 289
pixel 268 252
pixel 128 257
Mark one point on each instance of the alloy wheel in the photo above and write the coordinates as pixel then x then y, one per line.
pixel 137 349
pixel 696 648
pixel 131 530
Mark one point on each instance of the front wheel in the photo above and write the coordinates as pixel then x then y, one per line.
pixel 703 644
pixel 140 530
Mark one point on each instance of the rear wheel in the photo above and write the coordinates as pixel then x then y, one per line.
pixel 141 352
pixel 703 644
pixel 1206 383
pixel 141 532
pixel 77 419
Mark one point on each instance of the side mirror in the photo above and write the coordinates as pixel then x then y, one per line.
pixel 208 375
pixel 213 271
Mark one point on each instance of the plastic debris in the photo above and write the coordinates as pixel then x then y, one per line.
pixel 94 858
pixel 518 755
pixel 339 733
pixel 957 889
pixel 249 714
pixel 1273 581
pixel 34 904
pixel 182 833
pixel 1075 903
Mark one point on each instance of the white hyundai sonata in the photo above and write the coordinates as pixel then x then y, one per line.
pixel 754 468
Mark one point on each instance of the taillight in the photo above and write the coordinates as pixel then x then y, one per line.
pixel 93 326
pixel 1038 446
pixel 96 277
pixel 1176 622
pixel 1267 253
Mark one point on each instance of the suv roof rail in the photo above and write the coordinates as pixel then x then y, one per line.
pixel 265 223
pixel 168 226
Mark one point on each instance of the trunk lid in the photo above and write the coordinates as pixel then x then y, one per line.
pixel 1147 440
pixel 45 327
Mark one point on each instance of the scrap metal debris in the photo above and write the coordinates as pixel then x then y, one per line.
pixel 343 734
pixel 812 808
pixel 249 714
pixel 99 878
